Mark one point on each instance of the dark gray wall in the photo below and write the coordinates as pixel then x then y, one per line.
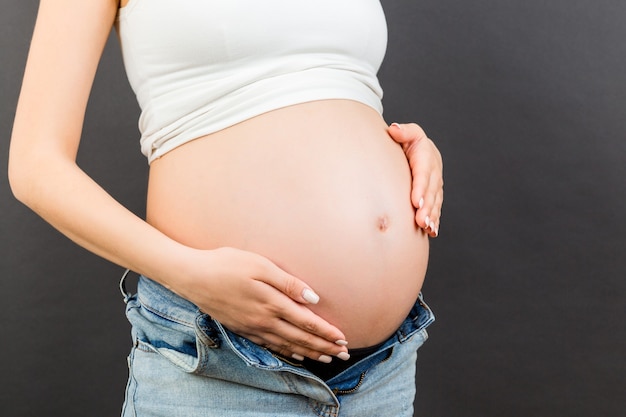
pixel 527 101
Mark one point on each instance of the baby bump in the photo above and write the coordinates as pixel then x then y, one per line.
pixel 318 188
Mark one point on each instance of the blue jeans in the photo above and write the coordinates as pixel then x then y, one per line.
pixel 185 364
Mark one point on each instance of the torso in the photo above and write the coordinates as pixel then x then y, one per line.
pixel 320 189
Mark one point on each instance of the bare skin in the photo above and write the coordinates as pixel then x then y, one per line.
pixel 250 291
pixel 320 189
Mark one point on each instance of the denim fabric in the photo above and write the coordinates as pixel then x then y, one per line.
pixel 185 364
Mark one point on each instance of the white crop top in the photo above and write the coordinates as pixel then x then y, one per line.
pixel 199 66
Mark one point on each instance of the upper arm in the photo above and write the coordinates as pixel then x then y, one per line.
pixel 67 43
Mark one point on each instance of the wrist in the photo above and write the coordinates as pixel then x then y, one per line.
pixel 169 263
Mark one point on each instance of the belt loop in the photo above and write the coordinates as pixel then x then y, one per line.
pixel 123 290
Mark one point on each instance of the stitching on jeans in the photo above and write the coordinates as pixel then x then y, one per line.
pixel 163 315
pixel 144 347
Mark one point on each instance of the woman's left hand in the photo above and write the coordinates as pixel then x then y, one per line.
pixel 427 171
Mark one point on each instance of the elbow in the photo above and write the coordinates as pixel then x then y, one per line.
pixel 35 169
pixel 26 173
pixel 27 167
pixel 35 175
pixel 18 180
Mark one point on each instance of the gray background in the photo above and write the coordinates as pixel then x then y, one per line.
pixel 526 100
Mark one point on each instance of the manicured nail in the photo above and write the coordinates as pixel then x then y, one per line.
pixel 310 296
pixel 421 203
pixel 344 356
pixel 325 359
pixel 426 222
pixel 297 357
pixel 341 342
pixel 396 125
pixel 432 226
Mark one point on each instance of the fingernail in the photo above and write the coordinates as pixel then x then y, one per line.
pixel 426 222
pixel 325 359
pixel 396 125
pixel 421 203
pixel 432 226
pixel 297 357
pixel 310 296
pixel 341 342
pixel 344 356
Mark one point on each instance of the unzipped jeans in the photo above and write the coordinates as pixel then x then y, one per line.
pixel 185 364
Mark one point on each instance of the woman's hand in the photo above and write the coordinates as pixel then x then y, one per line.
pixel 427 171
pixel 254 298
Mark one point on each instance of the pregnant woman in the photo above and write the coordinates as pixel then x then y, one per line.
pixel 286 238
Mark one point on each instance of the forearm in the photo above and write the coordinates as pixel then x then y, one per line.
pixel 244 291
pixel 61 193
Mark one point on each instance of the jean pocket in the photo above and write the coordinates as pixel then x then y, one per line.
pixel 186 345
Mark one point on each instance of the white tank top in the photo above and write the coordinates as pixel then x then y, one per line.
pixel 199 66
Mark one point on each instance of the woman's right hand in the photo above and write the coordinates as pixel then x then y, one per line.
pixel 254 298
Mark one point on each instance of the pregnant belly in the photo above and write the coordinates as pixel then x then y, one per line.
pixel 318 188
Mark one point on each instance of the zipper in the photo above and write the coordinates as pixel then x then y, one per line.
pixel 361 379
pixel 351 390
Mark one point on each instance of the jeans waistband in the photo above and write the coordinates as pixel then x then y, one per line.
pixel 159 299
pixel 166 303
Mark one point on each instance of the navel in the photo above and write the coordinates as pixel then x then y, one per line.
pixel 383 223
